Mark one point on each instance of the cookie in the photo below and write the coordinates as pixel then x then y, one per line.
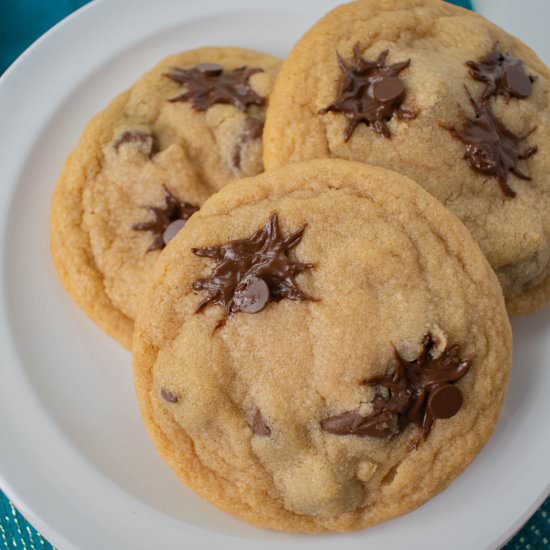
pixel 145 164
pixel 323 348
pixel 443 96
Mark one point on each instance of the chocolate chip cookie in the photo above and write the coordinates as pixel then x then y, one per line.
pixel 323 348
pixel 443 96
pixel 144 166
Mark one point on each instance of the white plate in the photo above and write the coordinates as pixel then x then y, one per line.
pixel 74 455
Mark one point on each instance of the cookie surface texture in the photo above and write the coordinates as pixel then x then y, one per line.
pixel 145 164
pixel 323 348
pixel 388 82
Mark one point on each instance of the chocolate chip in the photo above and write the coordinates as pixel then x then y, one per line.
pixel 445 401
pixel 353 423
pixel 388 89
pixel 172 230
pixel 260 426
pixel 141 140
pixel 167 395
pixel 417 392
pixel 211 69
pixel 252 295
pixel 515 80
pixel 371 92
pixel 164 216
pixel 262 256
pixel 253 129
pixel 503 75
pixel 237 154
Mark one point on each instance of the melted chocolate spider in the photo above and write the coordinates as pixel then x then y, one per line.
pixel 251 272
pixel 208 84
pixel 167 220
pixel 417 392
pixel 490 147
pixel 503 75
pixel 371 92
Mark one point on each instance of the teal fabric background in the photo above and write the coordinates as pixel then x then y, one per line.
pixel 21 22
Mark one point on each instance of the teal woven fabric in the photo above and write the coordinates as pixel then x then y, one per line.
pixel 463 3
pixel 17 534
pixel 22 21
